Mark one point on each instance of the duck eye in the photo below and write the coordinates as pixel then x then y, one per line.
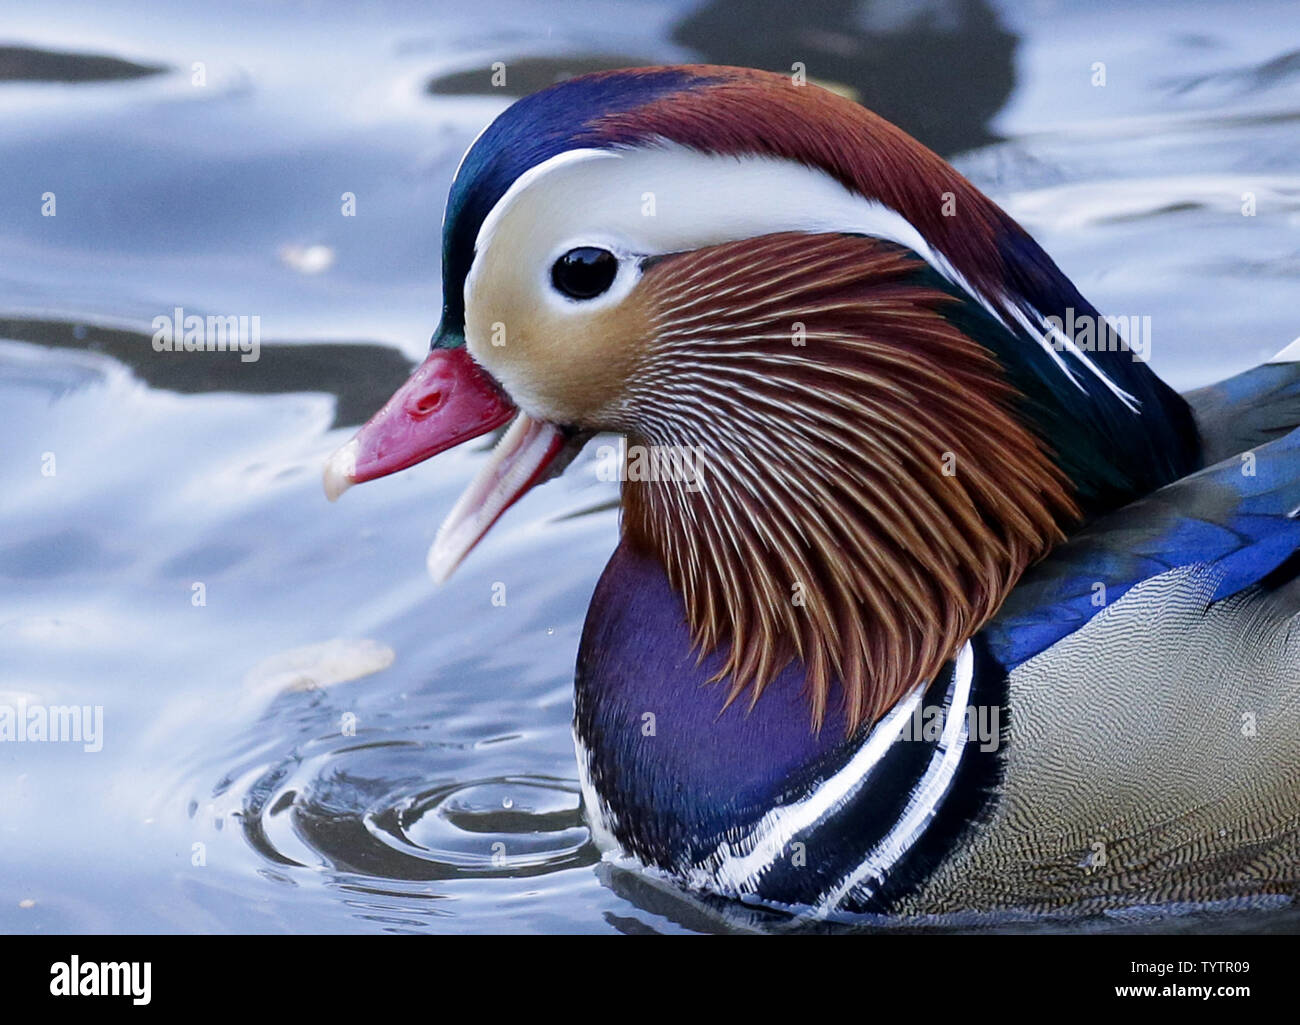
pixel 585 272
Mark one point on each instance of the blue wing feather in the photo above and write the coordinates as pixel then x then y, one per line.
pixel 1233 519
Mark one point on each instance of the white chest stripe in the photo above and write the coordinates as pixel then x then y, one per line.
pixel 737 867
pixel 600 818
pixel 925 797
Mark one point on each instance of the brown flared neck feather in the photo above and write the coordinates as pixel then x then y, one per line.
pixel 866 494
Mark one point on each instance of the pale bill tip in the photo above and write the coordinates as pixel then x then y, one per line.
pixel 442 561
pixel 339 469
pixel 523 452
pixel 459 532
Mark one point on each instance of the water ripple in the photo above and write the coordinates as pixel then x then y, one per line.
pixel 367 809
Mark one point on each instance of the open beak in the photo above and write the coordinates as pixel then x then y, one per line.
pixel 448 400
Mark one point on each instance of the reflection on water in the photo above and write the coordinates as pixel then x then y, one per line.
pixel 939 70
pixel 528 74
pixel 301 732
pixel 29 64
pixel 281 367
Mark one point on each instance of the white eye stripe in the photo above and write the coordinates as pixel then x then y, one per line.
pixel 667 198
pixel 520 186
pixel 599 197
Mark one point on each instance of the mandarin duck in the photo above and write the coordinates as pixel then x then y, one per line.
pixel 960 611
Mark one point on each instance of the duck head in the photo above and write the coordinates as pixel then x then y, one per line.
pixel 856 344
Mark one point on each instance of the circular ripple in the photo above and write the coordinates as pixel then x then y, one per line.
pixel 362 810
pixel 512 826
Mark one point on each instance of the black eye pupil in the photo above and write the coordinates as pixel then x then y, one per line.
pixel 585 272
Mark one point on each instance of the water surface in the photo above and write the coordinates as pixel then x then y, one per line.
pixel 327 742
